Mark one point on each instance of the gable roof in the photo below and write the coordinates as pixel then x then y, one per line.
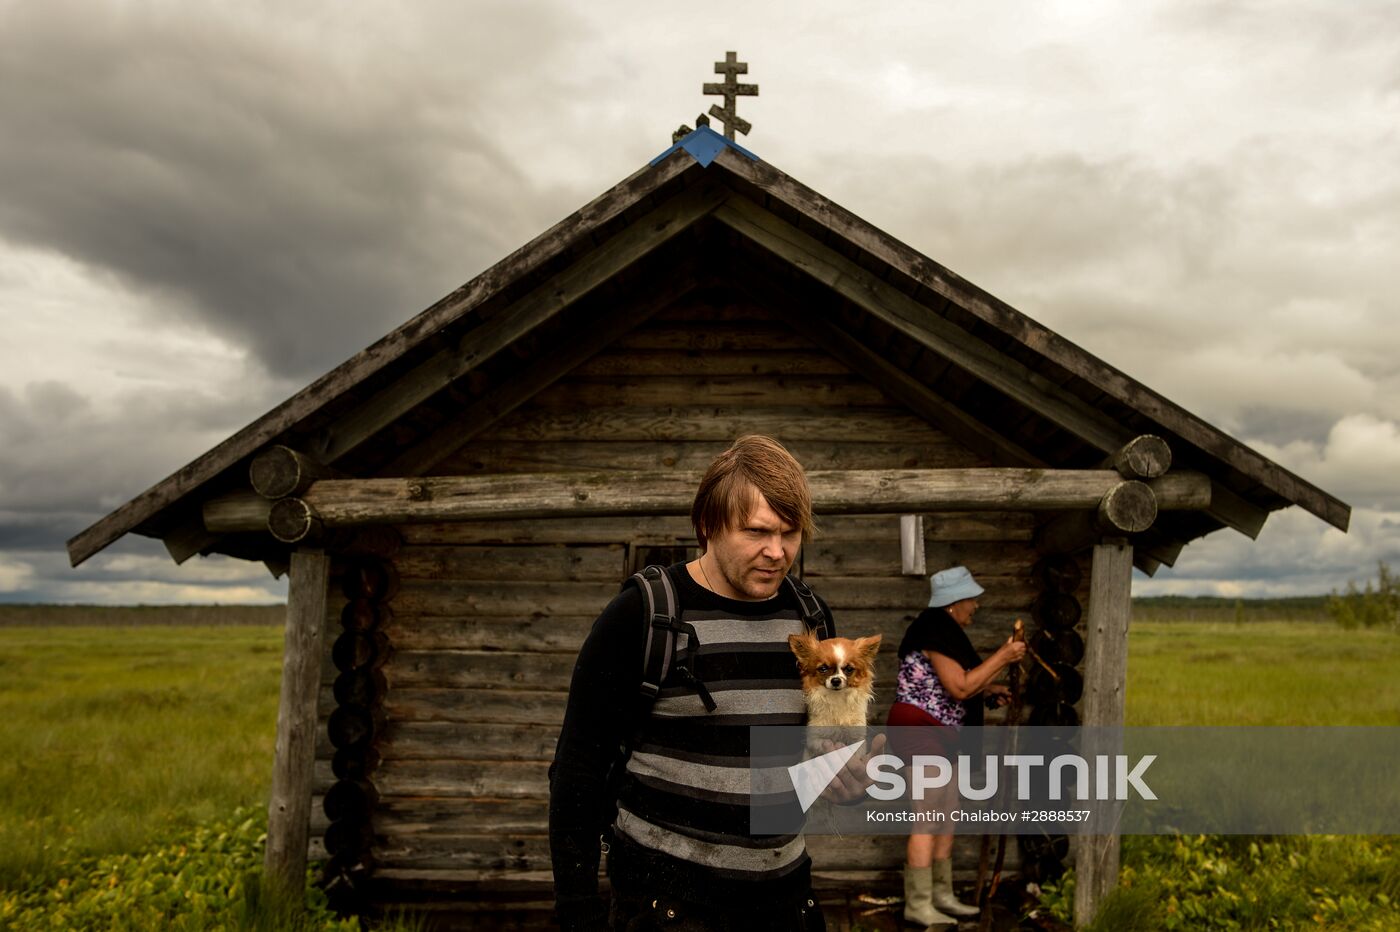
pixel 999 380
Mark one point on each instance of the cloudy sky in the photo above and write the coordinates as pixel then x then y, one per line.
pixel 207 205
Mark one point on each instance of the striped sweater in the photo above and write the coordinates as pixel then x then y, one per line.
pixel 683 810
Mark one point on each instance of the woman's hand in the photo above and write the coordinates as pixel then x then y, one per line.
pixel 1011 652
pixel 998 693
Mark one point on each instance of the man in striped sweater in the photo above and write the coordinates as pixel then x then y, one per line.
pixel 680 855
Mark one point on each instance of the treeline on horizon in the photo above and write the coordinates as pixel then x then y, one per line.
pixel 1223 609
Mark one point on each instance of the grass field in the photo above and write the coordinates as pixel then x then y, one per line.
pixel 118 737
pixel 125 744
pixel 1261 673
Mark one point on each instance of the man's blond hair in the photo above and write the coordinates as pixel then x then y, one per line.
pixel 754 464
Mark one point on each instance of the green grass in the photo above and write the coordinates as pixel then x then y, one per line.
pixel 116 738
pixel 1261 673
pixel 1240 882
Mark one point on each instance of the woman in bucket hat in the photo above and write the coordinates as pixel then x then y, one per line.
pixel 942 685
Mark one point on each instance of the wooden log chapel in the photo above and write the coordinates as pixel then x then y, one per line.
pixel 457 502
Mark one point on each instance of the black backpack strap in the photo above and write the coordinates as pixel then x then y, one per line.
pixel 659 599
pixel 812 615
pixel 662 625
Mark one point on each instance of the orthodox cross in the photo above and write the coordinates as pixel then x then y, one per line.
pixel 730 88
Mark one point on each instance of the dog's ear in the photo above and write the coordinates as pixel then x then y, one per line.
pixel 804 646
pixel 868 647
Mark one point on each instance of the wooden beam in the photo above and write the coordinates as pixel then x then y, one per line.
pixel 1147 564
pixel 237 511
pixel 916 321
pixel 280 471
pixel 1165 550
pixel 350 502
pixel 1231 510
pixel 575 228
pixel 1143 457
pixel 539 306
pixel 289 804
pixel 188 539
pixel 575 346
pixel 1105 688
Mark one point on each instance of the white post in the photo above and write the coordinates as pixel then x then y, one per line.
pixel 911 545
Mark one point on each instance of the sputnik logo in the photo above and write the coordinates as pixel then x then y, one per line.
pixel 811 777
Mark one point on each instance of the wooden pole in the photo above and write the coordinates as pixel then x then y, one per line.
pixel 350 502
pixel 1105 681
pixel 289 802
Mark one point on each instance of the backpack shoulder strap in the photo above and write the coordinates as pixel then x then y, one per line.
pixel 812 615
pixel 663 623
pixel 662 614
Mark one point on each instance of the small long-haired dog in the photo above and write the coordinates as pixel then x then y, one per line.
pixel 838 677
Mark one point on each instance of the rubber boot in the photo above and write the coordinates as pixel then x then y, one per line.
pixel 918 899
pixel 943 896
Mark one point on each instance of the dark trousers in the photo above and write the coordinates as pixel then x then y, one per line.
pixel 653 892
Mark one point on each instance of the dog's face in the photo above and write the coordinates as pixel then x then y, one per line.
pixel 836 663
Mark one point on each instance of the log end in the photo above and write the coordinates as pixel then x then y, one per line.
pixel 1129 507
pixel 275 472
pixel 293 521
pixel 1144 457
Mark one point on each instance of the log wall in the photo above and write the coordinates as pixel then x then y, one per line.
pixel 488 617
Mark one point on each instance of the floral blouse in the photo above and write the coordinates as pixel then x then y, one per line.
pixel 919 685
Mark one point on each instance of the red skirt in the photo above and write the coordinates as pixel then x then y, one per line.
pixel 918 732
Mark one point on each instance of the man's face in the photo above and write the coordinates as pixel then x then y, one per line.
pixel 755 554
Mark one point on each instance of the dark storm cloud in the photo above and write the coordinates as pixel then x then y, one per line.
pixel 64 463
pixel 301 200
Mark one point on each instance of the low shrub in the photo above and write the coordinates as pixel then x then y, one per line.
pixel 208 880
pixel 1236 882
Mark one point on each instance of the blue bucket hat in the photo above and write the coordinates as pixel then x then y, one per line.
pixel 953 585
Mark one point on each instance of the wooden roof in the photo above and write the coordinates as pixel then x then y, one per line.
pixel 981 370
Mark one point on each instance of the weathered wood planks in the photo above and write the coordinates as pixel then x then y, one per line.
pixel 510 456
pixel 709 364
pixel 830 391
pixel 683 421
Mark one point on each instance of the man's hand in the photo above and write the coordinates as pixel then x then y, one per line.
pixel 850 783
